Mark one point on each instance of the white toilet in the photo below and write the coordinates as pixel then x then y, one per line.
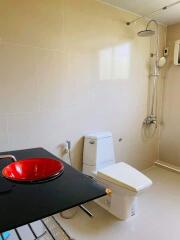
pixel 125 181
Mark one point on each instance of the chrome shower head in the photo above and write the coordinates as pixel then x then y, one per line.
pixel 146 33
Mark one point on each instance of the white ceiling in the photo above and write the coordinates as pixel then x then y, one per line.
pixel 145 7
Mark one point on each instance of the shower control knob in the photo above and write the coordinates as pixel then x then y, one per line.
pixel 150 120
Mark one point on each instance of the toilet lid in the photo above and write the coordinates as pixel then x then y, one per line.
pixel 125 176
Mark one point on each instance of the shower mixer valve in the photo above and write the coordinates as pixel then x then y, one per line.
pixel 150 120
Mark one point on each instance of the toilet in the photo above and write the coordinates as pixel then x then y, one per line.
pixel 125 182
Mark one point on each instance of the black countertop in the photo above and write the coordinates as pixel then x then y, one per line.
pixel 25 203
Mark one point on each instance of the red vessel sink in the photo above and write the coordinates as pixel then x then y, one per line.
pixel 33 169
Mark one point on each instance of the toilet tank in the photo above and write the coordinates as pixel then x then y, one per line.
pixel 98 151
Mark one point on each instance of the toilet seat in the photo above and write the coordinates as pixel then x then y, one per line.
pixel 125 176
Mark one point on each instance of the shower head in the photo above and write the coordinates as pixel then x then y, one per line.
pixel 146 33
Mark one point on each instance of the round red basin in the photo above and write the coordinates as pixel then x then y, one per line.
pixel 33 169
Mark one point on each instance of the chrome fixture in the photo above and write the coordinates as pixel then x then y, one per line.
pixel 11 157
pixel 151 119
pixel 146 33
pixel 82 207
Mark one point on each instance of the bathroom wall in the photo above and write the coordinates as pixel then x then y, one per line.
pixel 69 67
pixel 170 130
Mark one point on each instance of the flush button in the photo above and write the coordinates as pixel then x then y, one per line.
pixel 92 142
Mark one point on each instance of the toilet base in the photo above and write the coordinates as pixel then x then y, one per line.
pixel 122 203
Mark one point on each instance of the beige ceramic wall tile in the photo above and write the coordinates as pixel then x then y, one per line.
pixel 18 79
pixel 50 74
pixel 170 133
pixel 72 67
pixel 23 130
pixel 94 8
pixel 36 23
pixel 173 28
pixel 79 79
pixel 4 143
pixel 86 30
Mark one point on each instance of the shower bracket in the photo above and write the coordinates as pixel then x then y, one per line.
pixel 149 120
